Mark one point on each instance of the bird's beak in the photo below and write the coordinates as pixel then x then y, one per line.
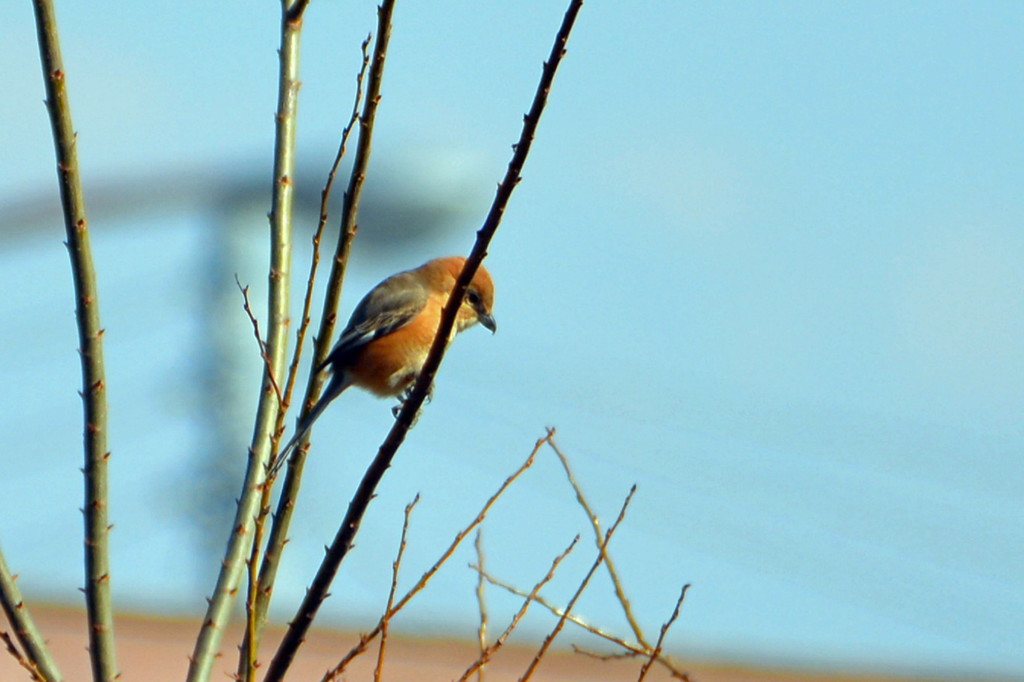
pixel 487 321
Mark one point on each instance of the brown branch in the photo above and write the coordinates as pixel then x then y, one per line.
pixel 98 599
pixel 633 650
pixel 421 388
pixel 489 651
pixel 396 436
pixel 595 523
pixel 481 633
pixel 364 640
pixel 546 644
pixel 268 365
pixel 253 621
pixel 391 592
pixel 622 656
pixel 33 671
pixel 661 637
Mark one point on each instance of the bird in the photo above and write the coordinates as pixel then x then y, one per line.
pixel 385 343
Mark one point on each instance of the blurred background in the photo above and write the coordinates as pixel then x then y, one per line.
pixel 765 262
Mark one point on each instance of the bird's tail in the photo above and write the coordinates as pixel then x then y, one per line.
pixel 335 387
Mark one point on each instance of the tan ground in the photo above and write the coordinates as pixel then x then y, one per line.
pixel 156 650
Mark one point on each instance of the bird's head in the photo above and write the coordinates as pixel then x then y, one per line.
pixel 478 304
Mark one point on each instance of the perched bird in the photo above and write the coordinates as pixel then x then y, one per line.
pixel 385 343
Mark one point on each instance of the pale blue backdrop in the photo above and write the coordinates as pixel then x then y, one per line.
pixel 766 262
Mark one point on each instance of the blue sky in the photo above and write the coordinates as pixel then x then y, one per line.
pixel 765 263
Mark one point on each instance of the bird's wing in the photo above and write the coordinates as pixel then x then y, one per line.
pixel 390 305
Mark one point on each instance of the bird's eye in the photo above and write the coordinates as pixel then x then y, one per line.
pixel 473 298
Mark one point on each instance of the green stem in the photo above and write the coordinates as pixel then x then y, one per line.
pixel 226 589
pixel 90 334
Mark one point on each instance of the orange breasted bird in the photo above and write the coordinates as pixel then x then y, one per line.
pixel 385 343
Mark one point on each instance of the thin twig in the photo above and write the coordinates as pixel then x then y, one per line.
pixel 661 637
pixel 595 523
pixel 229 577
pixel 481 633
pixel 489 651
pixel 620 656
pixel 365 639
pixel 573 618
pixel 633 650
pixel 546 644
pixel 99 603
pixel 673 671
pixel 378 669
pixel 268 365
pixel 21 660
pixel 247 654
pixel 32 643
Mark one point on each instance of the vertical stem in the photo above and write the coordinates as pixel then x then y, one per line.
pixel 228 580
pixel 90 335
pixel 481 603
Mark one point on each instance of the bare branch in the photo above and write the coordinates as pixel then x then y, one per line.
pixel 481 633
pixel 421 388
pixel 633 650
pixel 268 366
pixel 546 644
pixel 391 592
pixel 661 637
pixel 295 634
pixel 595 523
pixel 260 598
pixel 307 301
pixel 21 660
pixel 98 600
pixel 489 651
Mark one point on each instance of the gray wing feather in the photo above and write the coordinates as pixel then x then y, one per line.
pixel 388 306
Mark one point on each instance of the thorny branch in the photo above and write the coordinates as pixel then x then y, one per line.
pixel 98 597
pixel 349 527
